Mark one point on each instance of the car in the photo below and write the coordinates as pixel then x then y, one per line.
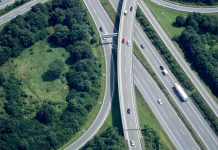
pixel 142 46
pixel 128 43
pixel 101 29
pixel 125 12
pixel 161 67
pixel 128 111
pixel 123 40
pixel 132 143
pixel 159 101
pixel 165 72
pixel 131 8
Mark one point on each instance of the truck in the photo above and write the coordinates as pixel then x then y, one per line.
pixel 181 92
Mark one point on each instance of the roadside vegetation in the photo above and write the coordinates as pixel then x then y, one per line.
pixel 12 6
pixel 104 139
pixel 153 134
pixel 177 71
pixel 109 9
pixel 110 139
pixel 50 76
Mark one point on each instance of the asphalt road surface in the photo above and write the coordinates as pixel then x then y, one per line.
pixel 126 89
pixel 5 3
pixel 186 8
pixel 19 10
pixel 189 109
pixel 184 65
pixel 166 115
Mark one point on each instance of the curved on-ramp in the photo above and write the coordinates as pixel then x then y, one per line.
pixel 185 8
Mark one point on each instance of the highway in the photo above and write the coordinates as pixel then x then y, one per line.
pixel 26 7
pixel 175 6
pixel 184 65
pixel 170 119
pixel 130 121
pixel 110 80
pixel 189 109
pixel 166 115
pixel 5 3
pixel 19 10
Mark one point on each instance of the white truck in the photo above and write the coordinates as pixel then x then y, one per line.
pixel 181 92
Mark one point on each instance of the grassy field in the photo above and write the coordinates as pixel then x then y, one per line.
pixel 148 118
pixel 166 17
pixel 31 65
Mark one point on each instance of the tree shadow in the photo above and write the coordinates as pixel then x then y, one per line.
pixel 48 76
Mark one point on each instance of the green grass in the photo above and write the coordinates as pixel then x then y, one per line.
pixel 2 26
pixel 31 65
pixel 109 9
pixel 166 17
pixel 147 117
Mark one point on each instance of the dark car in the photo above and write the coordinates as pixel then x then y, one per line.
pixel 101 29
pixel 123 40
pixel 128 111
pixel 131 8
pixel 161 67
pixel 142 46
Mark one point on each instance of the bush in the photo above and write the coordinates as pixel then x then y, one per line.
pixel 180 21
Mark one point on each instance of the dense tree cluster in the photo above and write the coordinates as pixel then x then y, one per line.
pixel 175 67
pixel 151 139
pixel 44 126
pixel 199 2
pixel 200 32
pixel 199 43
pixel 110 139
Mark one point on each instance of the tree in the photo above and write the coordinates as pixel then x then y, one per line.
pixel 180 21
pixel 57 17
pixel 47 114
pixel 79 50
pixel 26 38
pixel 55 69
pixel 78 33
pixel 37 20
pixel 23 145
pixel 5 53
pixel 60 35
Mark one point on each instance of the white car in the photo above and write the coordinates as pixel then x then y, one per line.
pixel 125 12
pixel 165 72
pixel 132 143
pixel 128 43
pixel 160 101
